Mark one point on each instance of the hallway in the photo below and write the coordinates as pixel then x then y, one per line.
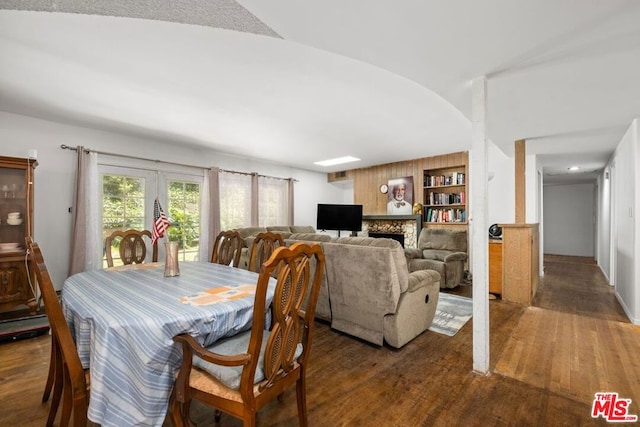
pixel 577 285
pixel 575 340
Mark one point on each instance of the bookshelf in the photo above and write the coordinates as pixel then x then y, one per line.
pixel 445 196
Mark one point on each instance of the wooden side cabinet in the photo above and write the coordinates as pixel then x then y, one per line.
pixel 520 262
pixel 14 285
pixel 495 267
pixel 16 223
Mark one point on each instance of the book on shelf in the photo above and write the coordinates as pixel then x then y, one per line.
pixel 445 215
pixel 453 178
pixel 446 198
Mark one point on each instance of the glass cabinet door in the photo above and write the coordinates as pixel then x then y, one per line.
pixel 13 209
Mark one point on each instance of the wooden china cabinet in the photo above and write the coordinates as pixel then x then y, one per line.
pixel 16 222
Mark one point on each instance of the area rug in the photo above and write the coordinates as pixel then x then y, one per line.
pixel 452 312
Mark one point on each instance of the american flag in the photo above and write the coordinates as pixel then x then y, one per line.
pixel 160 222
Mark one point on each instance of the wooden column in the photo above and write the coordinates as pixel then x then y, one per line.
pixel 520 159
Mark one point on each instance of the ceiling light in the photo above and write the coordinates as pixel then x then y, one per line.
pixel 337 161
pixel 574 168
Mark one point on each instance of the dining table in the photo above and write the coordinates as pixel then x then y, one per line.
pixel 124 319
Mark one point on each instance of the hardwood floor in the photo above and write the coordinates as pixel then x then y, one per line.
pixel 429 382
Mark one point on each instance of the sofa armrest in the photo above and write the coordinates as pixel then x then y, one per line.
pixel 412 253
pixel 422 278
pixel 456 256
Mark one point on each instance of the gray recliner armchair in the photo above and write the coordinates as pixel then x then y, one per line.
pixel 442 250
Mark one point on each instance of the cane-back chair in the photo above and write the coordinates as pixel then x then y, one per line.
pixel 262 247
pixel 241 374
pixel 227 248
pixel 132 246
pixel 70 382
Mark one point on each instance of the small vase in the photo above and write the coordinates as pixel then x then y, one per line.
pixel 171 267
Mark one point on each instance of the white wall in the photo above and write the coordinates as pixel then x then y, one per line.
pixel 501 188
pixel 635 283
pixel 55 174
pixel 603 230
pixel 625 234
pixel 569 227
pixel 532 189
pixel 534 202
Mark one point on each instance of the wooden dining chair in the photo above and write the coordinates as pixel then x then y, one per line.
pixel 227 248
pixel 264 244
pixel 132 249
pixel 70 381
pixel 241 374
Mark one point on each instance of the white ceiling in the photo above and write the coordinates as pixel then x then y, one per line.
pixel 295 82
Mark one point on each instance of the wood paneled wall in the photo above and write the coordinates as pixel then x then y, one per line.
pixel 367 181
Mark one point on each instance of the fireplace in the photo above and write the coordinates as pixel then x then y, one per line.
pixel 407 227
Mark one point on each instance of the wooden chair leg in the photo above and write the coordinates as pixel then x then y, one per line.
pixel 179 412
pixel 57 388
pixel 302 401
pixel 217 414
pixel 52 371
pixel 249 419
pixel 67 401
pixel 79 412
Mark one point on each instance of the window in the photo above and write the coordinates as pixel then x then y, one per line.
pixel 127 200
pixel 235 200
pixel 272 201
pixel 184 211
pixel 123 206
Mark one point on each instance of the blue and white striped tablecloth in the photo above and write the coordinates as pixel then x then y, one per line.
pixel 124 323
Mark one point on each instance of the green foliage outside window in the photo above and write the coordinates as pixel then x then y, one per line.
pixel 184 212
pixel 184 229
pixel 123 204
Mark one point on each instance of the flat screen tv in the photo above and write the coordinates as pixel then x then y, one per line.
pixel 339 217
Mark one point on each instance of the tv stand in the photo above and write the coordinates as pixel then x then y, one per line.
pixel 353 233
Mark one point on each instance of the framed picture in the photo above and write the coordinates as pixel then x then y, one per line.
pixel 400 196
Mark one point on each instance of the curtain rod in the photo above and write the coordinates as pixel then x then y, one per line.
pixel 89 150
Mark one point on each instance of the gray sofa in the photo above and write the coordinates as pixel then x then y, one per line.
pixel 368 292
pixel 285 230
pixel 248 234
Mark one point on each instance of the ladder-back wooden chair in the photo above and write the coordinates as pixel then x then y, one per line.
pixel 241 374
pixel 262 247
pixel 70 381
pixel 227 248
pixel 133 249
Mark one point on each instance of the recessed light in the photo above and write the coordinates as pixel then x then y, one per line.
pixel 574 168
pixel 337 161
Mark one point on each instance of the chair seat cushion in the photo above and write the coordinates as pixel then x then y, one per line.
pixel 428 264
pixel 237 344
pixel 436 254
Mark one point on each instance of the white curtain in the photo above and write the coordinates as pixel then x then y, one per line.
pixel 273 202
pixel 254 200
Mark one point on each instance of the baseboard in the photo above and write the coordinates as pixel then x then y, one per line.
pixel 23 328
